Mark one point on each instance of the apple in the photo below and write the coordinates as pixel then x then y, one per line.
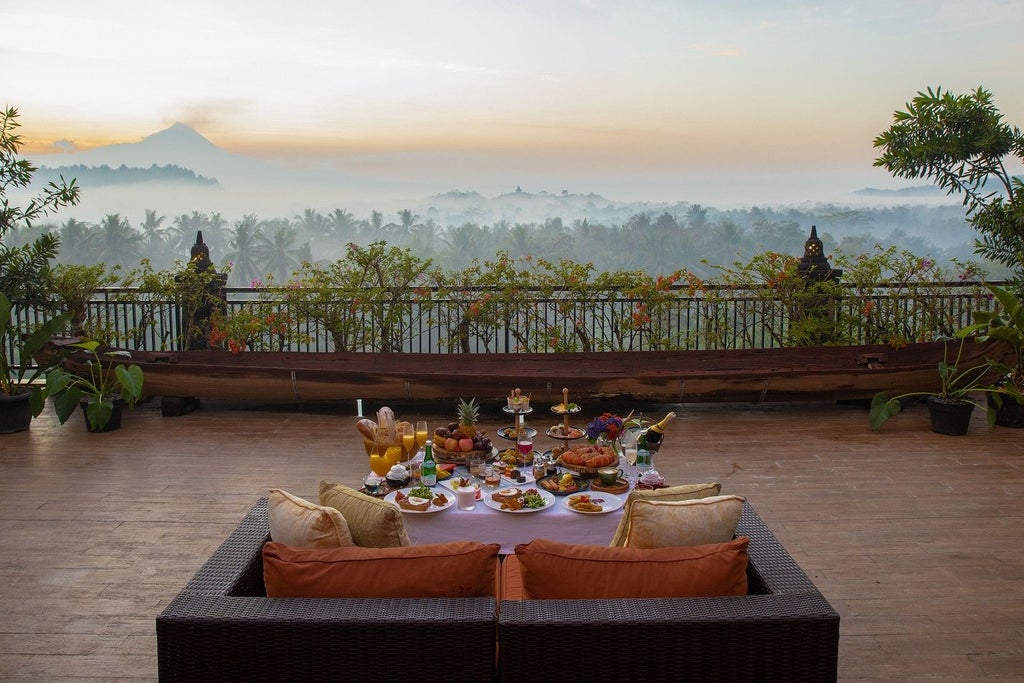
pixel 465 445
pixel 451 444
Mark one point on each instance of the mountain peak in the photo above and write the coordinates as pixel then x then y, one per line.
pixel 178 134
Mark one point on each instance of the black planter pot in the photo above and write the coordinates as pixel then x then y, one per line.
pixel 1010 414
pixel 115 416
pixel 15 413
pixel 950 416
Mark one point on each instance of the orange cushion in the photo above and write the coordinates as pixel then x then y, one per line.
pixel 559 571
pixel 454 570
pixel 511 579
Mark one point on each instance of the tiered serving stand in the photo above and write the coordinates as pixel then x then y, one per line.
pixel 518 422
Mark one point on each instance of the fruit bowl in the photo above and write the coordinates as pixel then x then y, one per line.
pixel 460 457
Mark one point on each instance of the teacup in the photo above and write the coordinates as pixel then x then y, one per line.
pixel 609 475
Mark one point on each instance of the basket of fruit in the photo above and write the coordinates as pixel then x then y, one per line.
pixel 586 459
pixel 458 441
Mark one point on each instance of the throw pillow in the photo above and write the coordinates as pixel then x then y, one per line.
pixel 372 522
pixel 551 570
pixel 686 492
pixel 460 569
pixel 660 523
pixel 299 523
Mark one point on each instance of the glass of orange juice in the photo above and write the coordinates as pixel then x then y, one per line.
pixel 421 433
pixel 409 442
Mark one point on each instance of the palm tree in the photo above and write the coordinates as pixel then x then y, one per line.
pixel 154 238
pixel 243 251
pixel 406 223
pixel 312 223
pixel 343 225
pixel 75 244
pixel 467 242
pixel 278 252
pixel 116 242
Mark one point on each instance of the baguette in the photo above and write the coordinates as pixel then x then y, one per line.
pixel 368 428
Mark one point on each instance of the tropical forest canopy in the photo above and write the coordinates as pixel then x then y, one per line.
pixel 688 236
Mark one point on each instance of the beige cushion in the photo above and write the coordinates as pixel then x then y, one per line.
pixel 661 523
pixel 686 492
pixel 372 522
pixel 301 524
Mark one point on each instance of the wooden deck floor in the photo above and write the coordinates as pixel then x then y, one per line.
pixel 915 538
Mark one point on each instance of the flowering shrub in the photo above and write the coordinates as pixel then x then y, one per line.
pixel 255 327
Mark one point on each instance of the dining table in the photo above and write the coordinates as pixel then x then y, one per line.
pixel 508 529
pixel 485 524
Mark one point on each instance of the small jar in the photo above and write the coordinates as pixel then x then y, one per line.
pixel 540 466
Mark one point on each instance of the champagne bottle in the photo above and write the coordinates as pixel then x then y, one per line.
pixel 428 470
pixel 656 431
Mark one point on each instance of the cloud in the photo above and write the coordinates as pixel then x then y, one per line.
pixel 716 50
pixel 64 146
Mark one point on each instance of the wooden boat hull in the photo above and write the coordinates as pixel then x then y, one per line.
pixel 787 374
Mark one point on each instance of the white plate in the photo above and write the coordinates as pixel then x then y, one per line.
pixel 549 500
pixel 609 502
pixel 433 508
pixel 561 437
pixel 525 470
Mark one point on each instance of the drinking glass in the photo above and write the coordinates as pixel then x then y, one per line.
pixel 628 439
pixel 421 433
pixel 525 446
pixel 409 443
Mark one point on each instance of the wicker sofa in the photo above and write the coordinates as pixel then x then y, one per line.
pixel 222 627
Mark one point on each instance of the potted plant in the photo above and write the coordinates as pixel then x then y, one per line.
pixel 21 396
pixel 101 391
pixel 950 407
pixel 1007 325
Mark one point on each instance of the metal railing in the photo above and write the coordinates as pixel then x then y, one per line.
pixel 429 322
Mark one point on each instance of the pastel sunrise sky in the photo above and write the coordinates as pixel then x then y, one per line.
pixel 638 95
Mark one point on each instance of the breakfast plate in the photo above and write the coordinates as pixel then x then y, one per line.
pixel 609 502
pixel 433 508
pixel 489 501
pixel 552 483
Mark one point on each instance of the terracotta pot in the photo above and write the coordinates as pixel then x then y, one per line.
pixel 950 416
pixel 15 413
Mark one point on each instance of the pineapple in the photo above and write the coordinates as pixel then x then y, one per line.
pixel 469 412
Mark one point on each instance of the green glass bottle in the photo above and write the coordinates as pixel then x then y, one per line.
pixel 428 470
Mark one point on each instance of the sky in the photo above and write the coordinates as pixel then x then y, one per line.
pixel 636 99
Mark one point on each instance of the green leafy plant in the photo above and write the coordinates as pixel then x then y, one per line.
pixel 956 383
pixel 21 363
pixel 98 386
pixel 1007 325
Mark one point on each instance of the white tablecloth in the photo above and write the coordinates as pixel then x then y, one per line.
pixel 488 525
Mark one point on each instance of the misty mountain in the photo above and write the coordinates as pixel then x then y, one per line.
pixel 916 191
pixel 180 145
pixel 101 176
